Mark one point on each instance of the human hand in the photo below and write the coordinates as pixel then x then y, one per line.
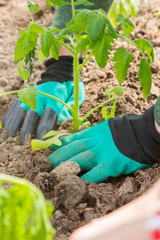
pixel 56 81
pixel 95 151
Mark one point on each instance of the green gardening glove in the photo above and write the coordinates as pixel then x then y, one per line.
pixel 56 81
pixel 117 146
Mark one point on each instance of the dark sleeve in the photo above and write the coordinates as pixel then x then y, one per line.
pixel 136 137
pixel 60 70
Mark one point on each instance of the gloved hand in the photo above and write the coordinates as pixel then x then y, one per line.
pixel 56 81
pixel 116 146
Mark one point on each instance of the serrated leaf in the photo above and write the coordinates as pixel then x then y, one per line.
pixel 101 49
pixel 22 72
pixel 83 2
pixel 36 28
pixel 127 25
pixel 83 43
pixel 125 7
pixel 95 26
pixel 63 32
pixel 146 46
pixel 26 42
pixel 41 56
pixel 59 3
pixel 53 29
pixel 116 90
pixel 39 144
pixel 111 28
pixel 33 7
pixel 55 49
pixel 28 96
pixel 0 125
pixel 78 24
pixel 122 59
pixel 46 43
pixel 145 77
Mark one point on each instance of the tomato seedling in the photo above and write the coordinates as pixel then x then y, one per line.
pixel 88 30
pixel 24 212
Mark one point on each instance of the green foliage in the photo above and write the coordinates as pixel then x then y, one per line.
pixel 28 96
pixel 87 30
pixel 22 72
pixel 125 7
pixel 122 59
pixel 24 212
pixel 33 8
pixel 127 25
pixel 113 91
pixel 58 3
pixel 52 138
pixel 146 46
pixel 109 111
pixel 83 2
pixel 27 41
pixel 145 77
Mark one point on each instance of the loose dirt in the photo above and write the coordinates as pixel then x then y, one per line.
pixel 76 202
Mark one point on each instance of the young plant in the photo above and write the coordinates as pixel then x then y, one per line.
pixel 87 30
pixel 24 212
pixel 109 111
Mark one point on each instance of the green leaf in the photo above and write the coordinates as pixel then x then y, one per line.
pixel 24 211
pixel 48 3
pixel 0 125
pixel 111 28
pixel 125 7
pixel 116 90
pixel 42 144
pixel 146 46
pixel 33 7
pixel 95 26
pixel 50 134
pixel 46 43
pixel 82 45
pixel 87 123
pixel 26 42
pixel 78 24
pixel 55 49
pixel 145 77
pixel 59 3
pixel 101 49
pixel 127 25
pixel 122 59
pixel 83 2
pixel 36 28
pixel 39 144
pixel 41 56
pixel 22 72
pixel 28 96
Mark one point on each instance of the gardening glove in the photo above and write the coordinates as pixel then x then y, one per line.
pixel 119 145
pixel 56 81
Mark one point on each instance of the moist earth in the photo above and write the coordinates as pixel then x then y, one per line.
pixel 77 202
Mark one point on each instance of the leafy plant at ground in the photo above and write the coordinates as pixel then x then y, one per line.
pixel 88 30
pixel 24 212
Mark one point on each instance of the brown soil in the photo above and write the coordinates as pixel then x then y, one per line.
pixel 76 202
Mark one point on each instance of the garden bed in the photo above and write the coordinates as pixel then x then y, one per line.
pixel 77 202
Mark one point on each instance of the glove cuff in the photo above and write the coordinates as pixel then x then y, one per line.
pixel 60 70
pixel 136 137
pixel 157 111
